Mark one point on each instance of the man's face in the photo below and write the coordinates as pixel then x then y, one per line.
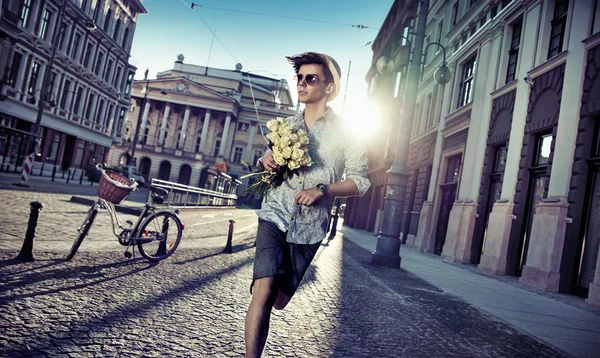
pixel 312 94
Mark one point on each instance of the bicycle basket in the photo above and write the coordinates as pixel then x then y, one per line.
pixel 114 188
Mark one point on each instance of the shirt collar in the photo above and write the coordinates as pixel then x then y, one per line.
pixel 328 116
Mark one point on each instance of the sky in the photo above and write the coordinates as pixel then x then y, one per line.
pixel 260 43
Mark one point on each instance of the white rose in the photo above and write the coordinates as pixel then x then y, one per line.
pixel 273 125
pixel 278 158
pixel 294 138
pixel 292 164
pixel 307 161
pixel 302 133
pixel 304 139
pixel 297 154
pixel 285 130
pixel 273 137
pixel 284 142
pixel 297 145
pixel 286 152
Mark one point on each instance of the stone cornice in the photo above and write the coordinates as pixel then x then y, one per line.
pixel 549 65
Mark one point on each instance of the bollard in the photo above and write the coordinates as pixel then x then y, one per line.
pixel 68 176
pixel 162 245
pixel 53 172
pixel 26 253
pixel 228 249
pixel 81 177
pixel 63 174
pixel 41 170
pixel 74 172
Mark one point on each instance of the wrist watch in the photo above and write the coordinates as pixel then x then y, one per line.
pixel 322 188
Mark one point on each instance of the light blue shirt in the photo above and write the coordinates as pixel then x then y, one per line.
pixel 335 153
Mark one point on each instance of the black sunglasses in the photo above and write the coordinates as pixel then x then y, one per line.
pixel 311 80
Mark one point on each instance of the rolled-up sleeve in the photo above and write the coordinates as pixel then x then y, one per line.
pixel 356 163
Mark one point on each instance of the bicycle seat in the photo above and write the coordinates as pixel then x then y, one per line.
pixel 159 191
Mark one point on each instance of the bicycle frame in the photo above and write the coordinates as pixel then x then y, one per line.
pixel 114 218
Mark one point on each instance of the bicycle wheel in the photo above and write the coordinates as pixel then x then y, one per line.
pixel 159 235
pixel 83 230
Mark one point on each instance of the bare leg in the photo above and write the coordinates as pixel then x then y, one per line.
pixel 259 314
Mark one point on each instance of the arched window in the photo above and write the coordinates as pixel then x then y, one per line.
pixel 164 170
pixel 185 173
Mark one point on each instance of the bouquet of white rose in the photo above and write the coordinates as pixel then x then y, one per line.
pixel 289 146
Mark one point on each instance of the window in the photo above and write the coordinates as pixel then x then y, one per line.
pixel 88 55
pixel 454 13
pixel 125 38
pixel 145 139
pixel 15 66
pixel 98 119
pixel 75 45
pixel 98 65
pixel 217 147
pixel 62 36
pixel 25 12
pixel 237 154
pixel 35 69
pixel 557 34
pixel 197 150
pixel 88 110
pixel 397 84
pixel 107 19
pixel 243 126
pixel 117 29
pixel 406 32
pixel 65 92
pixel 494 12
pixel 513 53
pixel 121 119
pixel 78 100
pixel 96 16
pixel 483 20
pixel 117 78
pixel 453 170
pixel 257 155
pixel 108 70
pixel 500 160
pixel 543 149
pixel 465 92
pixel 440 31
pixel 45 23
pixel 128 84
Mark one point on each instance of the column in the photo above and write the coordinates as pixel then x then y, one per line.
pixel 230 139
pixel 102 115
pixel 144 119
pixel 211 138
pixel 547 240
pixel 184 128
pixel 111 120
pixel 23 71
pixel 249 154
pixel 459 238
pixel 203 136
pixel 225 138
pixel 163 126
pixel 70 93
pixel 493 259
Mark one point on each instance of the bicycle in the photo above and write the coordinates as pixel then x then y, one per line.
pixel 156 233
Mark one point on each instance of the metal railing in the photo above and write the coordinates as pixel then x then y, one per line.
pixel 189 196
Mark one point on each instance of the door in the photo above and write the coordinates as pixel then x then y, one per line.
pixel 591 239
pixel 448 197
pixel 145 165
pixel 67 160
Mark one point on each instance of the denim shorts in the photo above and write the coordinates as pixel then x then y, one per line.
pixel 275 257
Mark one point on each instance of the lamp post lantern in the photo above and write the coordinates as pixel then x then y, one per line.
pixel 387 252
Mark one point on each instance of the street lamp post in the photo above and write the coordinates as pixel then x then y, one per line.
pixel 387 252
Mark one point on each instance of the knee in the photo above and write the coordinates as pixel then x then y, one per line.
pixel 281 301
pixel 265 291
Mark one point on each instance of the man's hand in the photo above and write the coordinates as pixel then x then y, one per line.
pixel 308 197
pixel 268 163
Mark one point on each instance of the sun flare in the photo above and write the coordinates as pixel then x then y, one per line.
pixel 362 117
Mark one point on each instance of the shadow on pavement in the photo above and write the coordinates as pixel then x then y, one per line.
pixel 56 344
pixel 395 310
pixel 91 274
pixel 235 248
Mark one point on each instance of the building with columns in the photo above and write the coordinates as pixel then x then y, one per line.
pixel 505 158
pixel 196 118
pixel 90 82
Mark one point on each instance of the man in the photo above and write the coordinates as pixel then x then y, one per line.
pixel 294 216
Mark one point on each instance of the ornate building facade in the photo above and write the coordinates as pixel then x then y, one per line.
pixel 89 84
pixel 504 158
pixel 199 118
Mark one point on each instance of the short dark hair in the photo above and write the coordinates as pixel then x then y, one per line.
pixel 311 58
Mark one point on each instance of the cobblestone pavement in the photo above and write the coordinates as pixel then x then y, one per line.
pixel 193 304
